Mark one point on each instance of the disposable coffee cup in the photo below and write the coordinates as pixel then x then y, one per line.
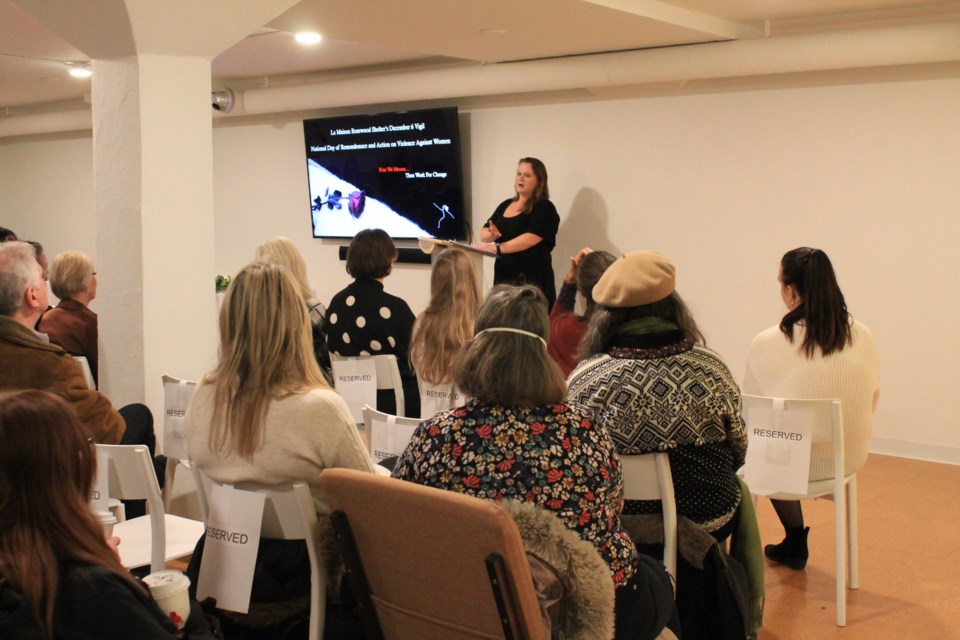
pixel 107 520
pixel 170 591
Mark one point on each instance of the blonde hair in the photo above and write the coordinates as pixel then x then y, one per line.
pixel 508 368
pixel 266 354
pixel 447 322
pixel 282 251
pixel 69 274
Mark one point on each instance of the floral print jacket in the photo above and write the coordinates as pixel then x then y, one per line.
pixel 553 456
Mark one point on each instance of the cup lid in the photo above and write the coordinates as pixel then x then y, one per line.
pixel 163 583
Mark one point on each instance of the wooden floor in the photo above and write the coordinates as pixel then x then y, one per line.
pixel 909 560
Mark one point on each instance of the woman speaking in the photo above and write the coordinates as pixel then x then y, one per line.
pixel 523 231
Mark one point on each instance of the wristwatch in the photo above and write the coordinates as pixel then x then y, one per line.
pixel 499 252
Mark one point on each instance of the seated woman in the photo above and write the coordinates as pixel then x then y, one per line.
pixel 284 252
pixel 566 327
pixel 59 577
pixel 363 319
pixel 517 439
pixel 444 326
pixel 655 387
pixel 266 414
pixel 71 324
pixel 817 351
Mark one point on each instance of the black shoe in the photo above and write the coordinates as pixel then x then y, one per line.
pixel 792 552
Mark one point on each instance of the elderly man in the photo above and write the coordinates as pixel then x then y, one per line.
pixel 29 361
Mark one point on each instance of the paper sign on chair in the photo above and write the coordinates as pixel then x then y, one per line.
pixel 230 547
pixel 778 451
pixel 176 398
pixel 356 381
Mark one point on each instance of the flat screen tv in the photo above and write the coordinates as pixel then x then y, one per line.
pixel 399 172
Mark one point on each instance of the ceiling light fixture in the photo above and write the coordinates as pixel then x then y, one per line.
pixel 79 69
pixel 308 37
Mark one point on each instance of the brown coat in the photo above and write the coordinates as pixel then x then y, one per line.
pixel 74 327
pixel 27 362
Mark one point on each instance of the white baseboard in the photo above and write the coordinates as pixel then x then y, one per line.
pixel 915 450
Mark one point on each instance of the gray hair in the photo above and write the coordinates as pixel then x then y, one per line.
pixel 19 269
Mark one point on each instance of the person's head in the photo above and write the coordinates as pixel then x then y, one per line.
pixel 23 292
pixel 371 255
pixel 506 362
pixel 593 265
pixel 266 353
pixel 809 288
pixel 47 463
pixel 41 257
pixel 6 235
pixel 448 320
pixel 638 285
pixel 283 251
pixel 72 277
pixel 531 180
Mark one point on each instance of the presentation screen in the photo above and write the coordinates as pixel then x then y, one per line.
pixel 399 172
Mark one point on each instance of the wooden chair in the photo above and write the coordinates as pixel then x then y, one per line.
pixel 426 563
pixel 827 420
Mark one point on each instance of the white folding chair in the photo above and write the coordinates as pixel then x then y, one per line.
pixel 386 375
pixel 288 514
pixel 156 537
pixel 176 397
pixel 648 477
pixel 387 435
pixel 87 373
pixel 827 418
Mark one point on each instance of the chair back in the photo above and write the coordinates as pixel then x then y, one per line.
pixel 357 379
pixel 176 398
pixel 648 477
pixel 131 477
pixel 436 398
pixel 87 373
pixel 288 514
pixel 387 435
pixel 428 563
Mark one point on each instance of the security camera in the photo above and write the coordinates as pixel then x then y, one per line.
pixel 222 100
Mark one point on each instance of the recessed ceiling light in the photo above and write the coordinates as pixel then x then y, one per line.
pixel 308 37
pixel 79 69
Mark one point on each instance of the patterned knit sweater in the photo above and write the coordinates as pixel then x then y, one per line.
pixel 679 398
pixel 777 367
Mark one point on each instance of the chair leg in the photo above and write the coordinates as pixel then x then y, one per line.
pixel 853 564
pixel 840 503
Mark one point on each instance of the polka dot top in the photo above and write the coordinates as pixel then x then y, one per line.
pixel 363 319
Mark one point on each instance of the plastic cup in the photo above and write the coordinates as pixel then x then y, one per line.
pixel 107 520
pixel 170 591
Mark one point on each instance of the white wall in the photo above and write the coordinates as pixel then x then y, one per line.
pixel 722 183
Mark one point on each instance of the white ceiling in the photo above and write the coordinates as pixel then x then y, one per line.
pixel 362 36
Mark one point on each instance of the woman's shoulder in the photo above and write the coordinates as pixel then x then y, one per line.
pixel 545 206
pixel 318 402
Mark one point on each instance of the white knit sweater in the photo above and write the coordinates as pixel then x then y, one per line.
pixel 777 367
pixel 305 434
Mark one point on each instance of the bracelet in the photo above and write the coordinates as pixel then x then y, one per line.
pixel 499 251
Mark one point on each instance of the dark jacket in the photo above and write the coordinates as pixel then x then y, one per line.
pixel 27 362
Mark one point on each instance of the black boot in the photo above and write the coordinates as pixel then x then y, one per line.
pixel 792 552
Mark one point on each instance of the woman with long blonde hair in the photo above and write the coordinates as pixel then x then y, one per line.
pixel 447 322
pixel 282 251
pixel 266 413
pixel 59 576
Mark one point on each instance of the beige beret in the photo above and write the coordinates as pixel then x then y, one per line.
pixel 636 279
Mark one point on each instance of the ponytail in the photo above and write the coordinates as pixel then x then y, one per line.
pixel 822 308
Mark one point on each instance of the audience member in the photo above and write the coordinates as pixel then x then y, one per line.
pixel 59 577
pixel 817 351
pixel 566 327
pixel 72 324
pixel 284 252
pixel 655 387
pixel 266 414
pixel 443 327
pixel 40 364
pixel 363 319
pixel 517 439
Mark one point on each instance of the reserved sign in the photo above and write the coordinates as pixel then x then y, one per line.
pixel 778 451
